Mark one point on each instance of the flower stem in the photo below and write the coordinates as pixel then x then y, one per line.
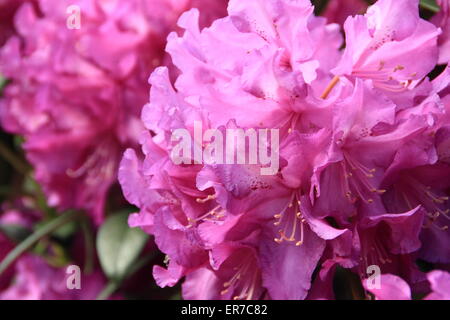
pixel 430 5
pixel 88 245
pixel 110 288
pixel 330 87
pixel 13 160
pixel 35 237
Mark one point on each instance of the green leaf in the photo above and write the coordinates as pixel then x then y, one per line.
pixel 118 245
pixel 430 5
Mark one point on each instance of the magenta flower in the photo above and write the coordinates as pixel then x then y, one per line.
pixel 442 20
pixel 395 288
pixel 390 44
pixel 355 126
pixel 440 285
pixel 339 10
pixel 76 94
pixel 7 10
pixel 392 287
pixel 34 279
pixel 234 274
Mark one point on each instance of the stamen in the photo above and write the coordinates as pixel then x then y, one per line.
pixel 330 87
pixel 399 68
pixel 208 198
pixel 373 252
pixel 382 78
pixel 422 195
pixel 294 121
pixel 213 215
pixel 244 280
pixel 98 166
pixel 357 181
pixel 289 219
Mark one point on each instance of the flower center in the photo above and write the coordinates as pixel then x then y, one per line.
pixel 373 251
pixel 244 281
pixel 213 215
pixel 435 205
pixel 356 182
pixel 290 221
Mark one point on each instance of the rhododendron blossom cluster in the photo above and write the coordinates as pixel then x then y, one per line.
pixel 364 153
pixel 224 150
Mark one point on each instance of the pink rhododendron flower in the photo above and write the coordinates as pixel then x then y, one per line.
pixel 442 20
pixel 385 44
pixel 391 288
pixel 363 137
pixel 440 285
pixel 76 94
pixel 395 288
pixel 237 275
pixel 34 279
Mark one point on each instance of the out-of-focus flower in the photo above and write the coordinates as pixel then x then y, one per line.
pixel 44 273
pixel 16 219
pixel 393 287
pixel 7 10
pixel 339 10
pixel 440 285
pixel 76 94
pixel 34 279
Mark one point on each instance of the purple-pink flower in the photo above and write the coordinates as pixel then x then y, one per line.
pixel 363 139
pixel 7 10
pixel 442 20
pixel 76 94
pixel 385 44
pixel 393 287
pixel 34 279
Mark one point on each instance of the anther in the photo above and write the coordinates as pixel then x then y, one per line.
pixel 208 198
